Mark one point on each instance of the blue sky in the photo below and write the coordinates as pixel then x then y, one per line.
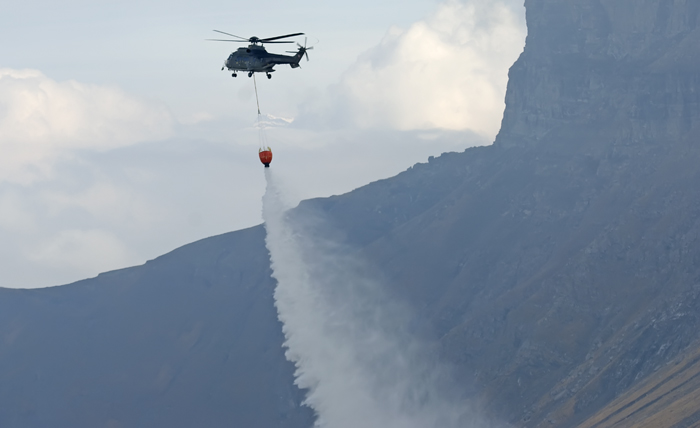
pixel 122 138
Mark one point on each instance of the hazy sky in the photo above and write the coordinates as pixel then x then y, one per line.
pixel 121 138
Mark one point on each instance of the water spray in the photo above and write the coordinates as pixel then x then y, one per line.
pixel 349 339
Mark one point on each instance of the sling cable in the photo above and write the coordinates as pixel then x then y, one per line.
pixel 264 150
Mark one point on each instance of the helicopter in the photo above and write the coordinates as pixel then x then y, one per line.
pixel 256 59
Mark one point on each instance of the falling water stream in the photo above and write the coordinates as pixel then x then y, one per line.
pixel 348 340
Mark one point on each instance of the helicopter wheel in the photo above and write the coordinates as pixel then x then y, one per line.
pixel 269 76
pixel 250 74
pixel 234 75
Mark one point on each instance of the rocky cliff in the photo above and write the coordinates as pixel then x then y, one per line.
pixel 627 69
pixel 560 267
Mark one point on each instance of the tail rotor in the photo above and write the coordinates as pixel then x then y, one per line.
pixel 302 50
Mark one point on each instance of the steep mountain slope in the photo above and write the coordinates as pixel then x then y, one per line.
pixel 554 282
pixel 189 339
pixel 559 269
pixel 667 399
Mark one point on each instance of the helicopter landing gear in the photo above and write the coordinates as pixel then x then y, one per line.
pixel 234 75
pixel 269 76
pixel 250 74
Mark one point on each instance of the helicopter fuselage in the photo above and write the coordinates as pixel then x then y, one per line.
pixel 256 59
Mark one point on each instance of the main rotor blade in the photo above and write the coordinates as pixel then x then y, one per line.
pixel 280 37
pixel 232 35
pixel 239 41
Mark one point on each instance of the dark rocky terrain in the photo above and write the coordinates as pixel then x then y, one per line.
pixel 559 268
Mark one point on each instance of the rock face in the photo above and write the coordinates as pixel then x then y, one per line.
pixel 559 269
pixel 626 68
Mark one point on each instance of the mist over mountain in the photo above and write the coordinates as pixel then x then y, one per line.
pixel 557 271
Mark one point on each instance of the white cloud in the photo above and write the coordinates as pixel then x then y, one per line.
pixel 85 251
pixel 107 201
pixel 14 215
pixel 42 120
pixel 448 71
pixel 195 118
